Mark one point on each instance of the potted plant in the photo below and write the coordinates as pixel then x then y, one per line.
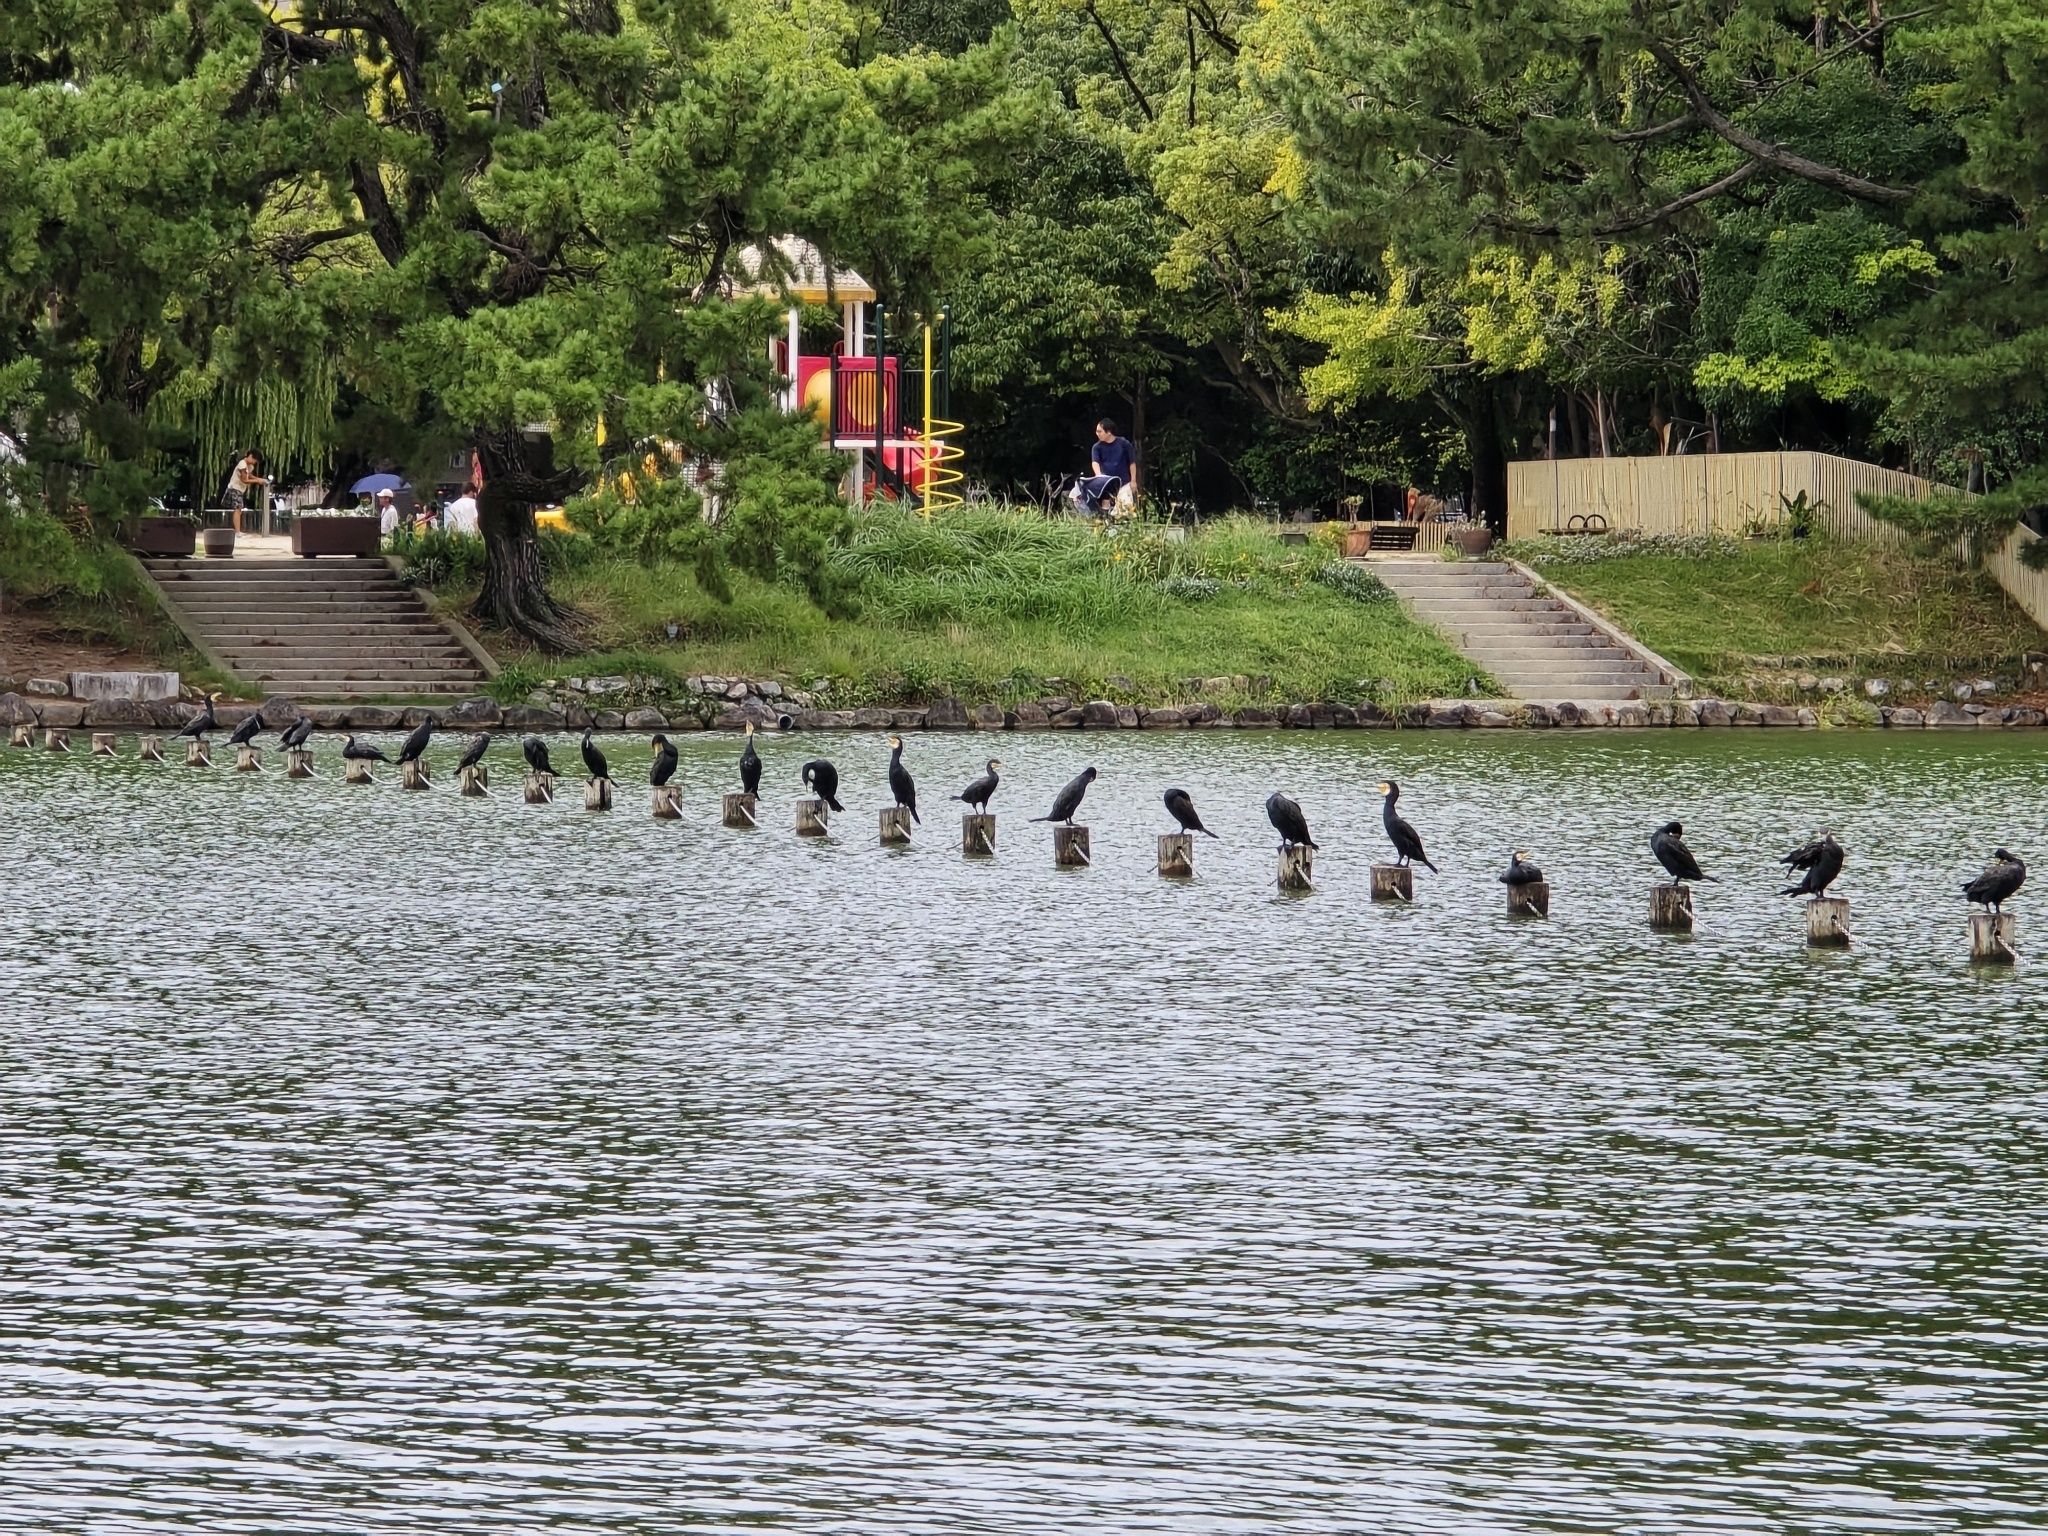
pixel 1472 539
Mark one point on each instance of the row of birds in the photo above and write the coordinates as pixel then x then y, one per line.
pixel 1818 862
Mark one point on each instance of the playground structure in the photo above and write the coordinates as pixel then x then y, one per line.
pixel 857 388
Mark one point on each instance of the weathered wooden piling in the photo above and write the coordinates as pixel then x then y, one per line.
pixel 473 782
pixel 56 739
pixel 1827 922
pixel 668 802
pixel 1994 938
pixel 1297 867
pixel 740 811
pixel 22 736
pixel 1070 847
pixel 197 754
pixel 1671 908
pixel 1530 899
pixel 811 818
pixel 357 771
pixel 152 749
pixel 1177 854
pixel 540 788
pixel 104 744
pixel 248 759
pixel 597 795
pixel 977 834
pixel 298 763
pixel 412 774
pixel 895 824
pixel 1393 882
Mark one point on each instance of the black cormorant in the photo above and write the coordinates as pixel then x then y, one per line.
pixel 977 793
pixel 201 724
pixel 594 759
pixel 362 752
pixel 2002 876
pixel 248 730
pixel 1822 861
pixel 298 733
pixel 1668 843
pixel 1180 805
pixel 416 744
pixel 1520 873
pixel 901 784
pixel 664 767
pixel 823 779
pixel 1288 821
pixel 473 750
pixel 1068 800
pixel 535 751
pixel 1407 842
pixel 750 764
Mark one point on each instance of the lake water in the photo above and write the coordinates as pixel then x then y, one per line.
pixel 384 1162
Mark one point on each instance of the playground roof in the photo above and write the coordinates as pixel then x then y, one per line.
pixel 798 268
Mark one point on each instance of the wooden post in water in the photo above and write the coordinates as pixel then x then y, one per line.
pixel 810 818
pixel 1393 882
pixel 473 782
pixel 1994 938
pixel 1070 847
pixel 56 739
pixel 197 754
pixel 540 788
pixel 103 744
pixel 298 763
pixel 412 774
pixel 1531 899
pixel 1177 854
pixel 248 759
pixel 668 802
pixel 1298 867
pixel 357 771
pixel 1827 922
pixel 152 749
pixel 597 795
pixel 895 824
pixel 1671 908
pixel 22 736
pixel 739 811
pixel 977 834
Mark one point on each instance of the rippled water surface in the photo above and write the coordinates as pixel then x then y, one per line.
pixel 385 1162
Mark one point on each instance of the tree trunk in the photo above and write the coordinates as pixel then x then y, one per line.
pixel 518 473
pixel 1488 447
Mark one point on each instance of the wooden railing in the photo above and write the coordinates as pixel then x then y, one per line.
pixel 2026 586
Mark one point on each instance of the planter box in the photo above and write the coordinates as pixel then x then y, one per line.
pixel 219 543
pixel 165 536
pixel 335 536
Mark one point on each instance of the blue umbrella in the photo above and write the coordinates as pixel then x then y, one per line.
pixel 370 485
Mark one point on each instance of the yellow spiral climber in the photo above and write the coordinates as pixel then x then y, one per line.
pixel 936 474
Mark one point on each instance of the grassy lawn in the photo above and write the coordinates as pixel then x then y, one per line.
pixel 989 605
pixel 1752 615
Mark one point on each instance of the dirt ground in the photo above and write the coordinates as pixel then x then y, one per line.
pixel 32 646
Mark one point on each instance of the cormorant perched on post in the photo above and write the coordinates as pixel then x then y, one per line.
pixel 1407 842
pixel 823 780
pixel 535 751
pixel 1520 873
pixel 2004 875
pixel 416 744
pixel 362 752
pixel 1822 861
pixel 298 733
pixel 201 724
pixel 1668 843
pixel 977 794
pixel 1180 805
pixel 750 765
pixel 473 751
pixel 1288 821
pixel 901 784
pixel 1068 800
pixel 664 767
pixel 248 730
pixel 594 759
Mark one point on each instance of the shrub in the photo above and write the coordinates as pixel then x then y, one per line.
pixel 1354 582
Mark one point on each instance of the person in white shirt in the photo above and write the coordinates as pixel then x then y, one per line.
pixel 243 480
pixel 387 513
pixel 459 516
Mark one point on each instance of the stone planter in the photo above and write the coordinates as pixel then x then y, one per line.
pixel 1472 541
pixel 219 543
pixel 164 536
pixel 313 536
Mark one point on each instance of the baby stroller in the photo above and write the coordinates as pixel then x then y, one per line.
pixel 1096 493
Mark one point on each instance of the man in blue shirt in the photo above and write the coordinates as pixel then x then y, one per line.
pixel 1114 466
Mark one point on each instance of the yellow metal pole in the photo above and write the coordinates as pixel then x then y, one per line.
pixel 925 466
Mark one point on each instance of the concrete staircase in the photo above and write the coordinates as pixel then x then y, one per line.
pixel 327 628
pixel 1535 647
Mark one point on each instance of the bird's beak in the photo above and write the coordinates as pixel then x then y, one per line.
pixel 1383 786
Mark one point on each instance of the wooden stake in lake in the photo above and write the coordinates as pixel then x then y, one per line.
pixel 197 754
pixel 742 810
pixel 152 750
pixel 977 826
pixel 1528 892
pixel 1994 934
pixel 1671 905
pixel 22 736
pixel 823 780
pixel 412 756
pixel 56 739
pixel 298 763
pixel 895 822
pixel 540 772
pixel 472 773
pixel 1297 848
pixel 248 759
pixel 1827 917
pixel 1069 842
pixel 357 757
pixel 1177 849
pixel 1396 881
pixel 103 744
